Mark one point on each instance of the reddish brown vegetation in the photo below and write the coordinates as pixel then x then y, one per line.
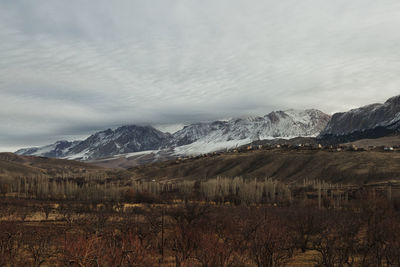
pixel 364 233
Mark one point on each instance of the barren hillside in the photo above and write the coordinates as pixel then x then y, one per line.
pixel 285 165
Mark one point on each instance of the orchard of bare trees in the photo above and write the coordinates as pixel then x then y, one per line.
pixel 93 221
pixel 365 232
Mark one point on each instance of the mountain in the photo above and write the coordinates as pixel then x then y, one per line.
pixel 125 139
pixel 208 137
pixel 371 121
pixel 196 138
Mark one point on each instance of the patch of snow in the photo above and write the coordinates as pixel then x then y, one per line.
pixel 43 150
pixel 202 147
pixel 133 154
pixel 83 155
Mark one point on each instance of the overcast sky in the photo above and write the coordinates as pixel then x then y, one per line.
pixel 69 68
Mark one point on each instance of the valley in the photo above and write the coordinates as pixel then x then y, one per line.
pixel 292 188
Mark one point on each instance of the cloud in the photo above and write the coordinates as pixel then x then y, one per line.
pixel 70 68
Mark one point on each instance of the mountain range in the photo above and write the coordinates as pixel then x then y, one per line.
pixel 371 121
pixel 193 139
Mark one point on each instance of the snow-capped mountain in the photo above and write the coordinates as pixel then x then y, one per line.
pixel 125 139
pixel 371 121
pixel 208 137
pixel 192 139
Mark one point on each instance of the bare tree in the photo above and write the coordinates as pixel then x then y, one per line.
pixel 269 242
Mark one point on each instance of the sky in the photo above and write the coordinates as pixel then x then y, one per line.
pixel 70 68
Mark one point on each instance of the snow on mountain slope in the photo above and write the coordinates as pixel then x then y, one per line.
pixel 56 150
pixel 205 146
pixel 207 137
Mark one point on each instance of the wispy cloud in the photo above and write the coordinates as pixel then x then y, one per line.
pixel 69 68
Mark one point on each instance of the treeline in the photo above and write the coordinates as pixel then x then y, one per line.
pixel 219 190
pixel 363 233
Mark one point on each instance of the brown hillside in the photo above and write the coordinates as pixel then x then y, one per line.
pixel 285 165
pixel 12 165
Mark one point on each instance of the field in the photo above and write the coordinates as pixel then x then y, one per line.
pixel 276 207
